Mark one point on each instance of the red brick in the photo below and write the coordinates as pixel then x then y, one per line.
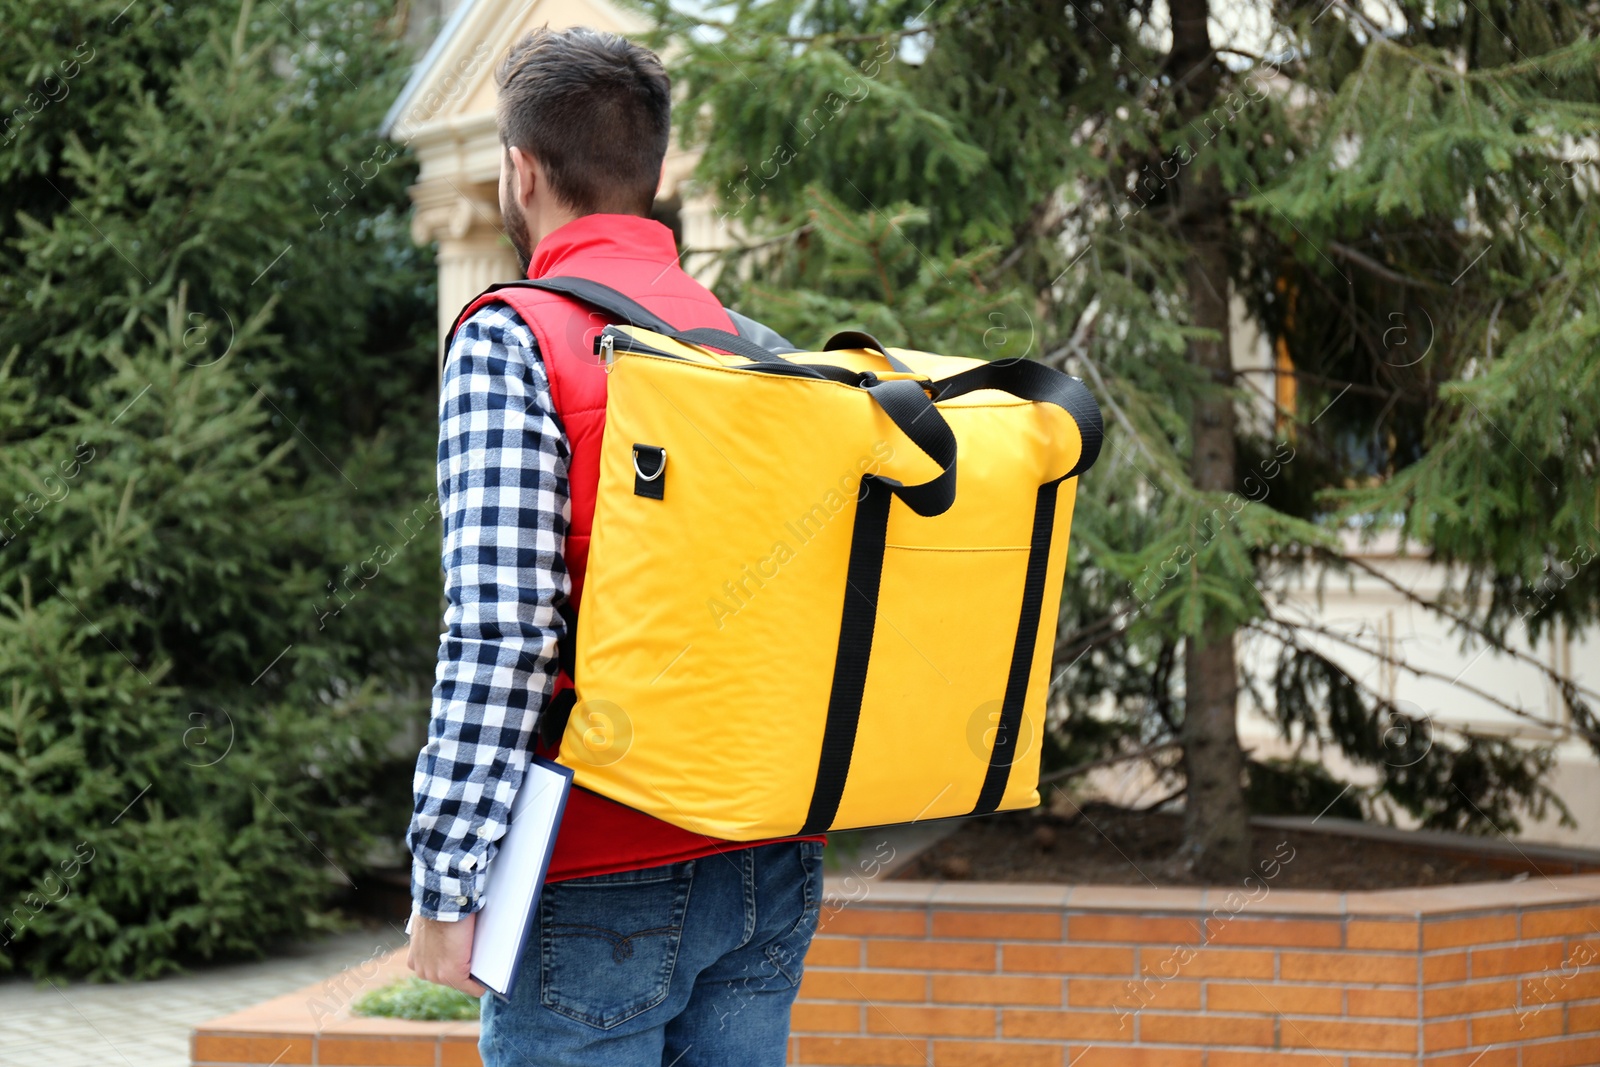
pixel 1444 967
pixel 1188 962
pixel 994 1054
pixel 1573 1052
pixel 1380 1061
pixel 1292 933
pixel 1555 922
pixel 1514 1026
pixel 1066 1025
pixel 908 1021
pixel 459 1052
pixel 1066 959
pixel 1583 1018
pixel 1466 999
pixel 1368 933
pixel 1519 959
pixel 1528 1013
pixel 1342 1035
pixel 811 1017
pixel 273 1048
pixel 1478 930
pixel 1132 928
pixel 1021 925
pixel 862 985
pixel 1129 996
pixel 1381 1003
pixel 1561 986
pixel 863 1051
pixel 1204 1030
pixel 1275 1058
pixel 930 955
pixel 857 919
pixel 1102 1056
pixel 1439 1037
pixel 389 1051
pixel 1347 967
pixel 995 989
pixel 1581 952
pixel 1542 992
pixel 1500 1057
pixel 1271 999
pixel 834 952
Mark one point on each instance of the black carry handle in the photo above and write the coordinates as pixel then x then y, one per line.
pixel 861 339
pixel 1031 380
pixel 905 402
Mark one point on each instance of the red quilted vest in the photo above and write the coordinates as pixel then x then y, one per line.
pixel 639 258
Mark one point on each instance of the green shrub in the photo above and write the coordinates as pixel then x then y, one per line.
pixel 412 998
pixel 218 543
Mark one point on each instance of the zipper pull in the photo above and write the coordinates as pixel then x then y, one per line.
pixel 608 350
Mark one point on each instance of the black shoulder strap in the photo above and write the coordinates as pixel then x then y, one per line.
pixel 553 717
pixel 760 333
pixel 902 400
pixel 604 297
pixel 607 299
pixel 628 310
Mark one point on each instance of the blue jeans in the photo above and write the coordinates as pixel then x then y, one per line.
pixel 691 964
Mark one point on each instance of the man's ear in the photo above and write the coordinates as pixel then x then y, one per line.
pixel 526 176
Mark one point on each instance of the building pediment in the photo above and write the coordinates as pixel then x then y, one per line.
pixel 446 115
pixel 451 93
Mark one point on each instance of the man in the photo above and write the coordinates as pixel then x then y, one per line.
pixel 651 945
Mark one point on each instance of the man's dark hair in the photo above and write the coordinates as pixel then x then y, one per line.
pixel 594 109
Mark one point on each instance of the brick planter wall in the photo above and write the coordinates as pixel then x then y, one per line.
pixel 962 975
pixel 1501 975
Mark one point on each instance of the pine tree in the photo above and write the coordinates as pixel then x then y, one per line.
pixel 217 531
pixel 1087 185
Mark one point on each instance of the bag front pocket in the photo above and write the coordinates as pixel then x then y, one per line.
pixel 608 943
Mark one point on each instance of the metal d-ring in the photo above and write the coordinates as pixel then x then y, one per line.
pixel 643 477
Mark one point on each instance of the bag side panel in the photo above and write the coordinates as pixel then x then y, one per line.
pixel 947 624
pixel 1022 788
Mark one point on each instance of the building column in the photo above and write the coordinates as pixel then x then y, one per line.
pixel 467 266
pixel 464 218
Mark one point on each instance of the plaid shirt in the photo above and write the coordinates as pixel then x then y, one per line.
pixel 504 499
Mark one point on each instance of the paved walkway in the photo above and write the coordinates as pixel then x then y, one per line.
pixel 147 1024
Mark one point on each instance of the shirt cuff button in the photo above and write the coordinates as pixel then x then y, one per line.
pixel 462 901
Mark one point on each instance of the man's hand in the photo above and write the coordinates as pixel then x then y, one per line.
pixel 441 952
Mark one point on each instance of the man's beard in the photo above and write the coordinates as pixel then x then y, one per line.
pixel 517 230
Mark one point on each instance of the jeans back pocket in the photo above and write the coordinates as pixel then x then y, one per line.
pixel 608 943
pixel 787 953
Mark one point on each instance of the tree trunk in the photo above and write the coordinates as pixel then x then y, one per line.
pixel 1216 821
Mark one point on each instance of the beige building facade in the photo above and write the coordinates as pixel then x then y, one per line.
pixel 446 115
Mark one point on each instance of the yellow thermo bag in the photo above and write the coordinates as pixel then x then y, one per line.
pixel 801 612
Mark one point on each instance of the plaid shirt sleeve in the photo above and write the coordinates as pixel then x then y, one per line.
pixel 504 499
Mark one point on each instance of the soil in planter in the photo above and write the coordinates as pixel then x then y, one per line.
pixel 1112 846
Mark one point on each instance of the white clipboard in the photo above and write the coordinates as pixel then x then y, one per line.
pixel 512 883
